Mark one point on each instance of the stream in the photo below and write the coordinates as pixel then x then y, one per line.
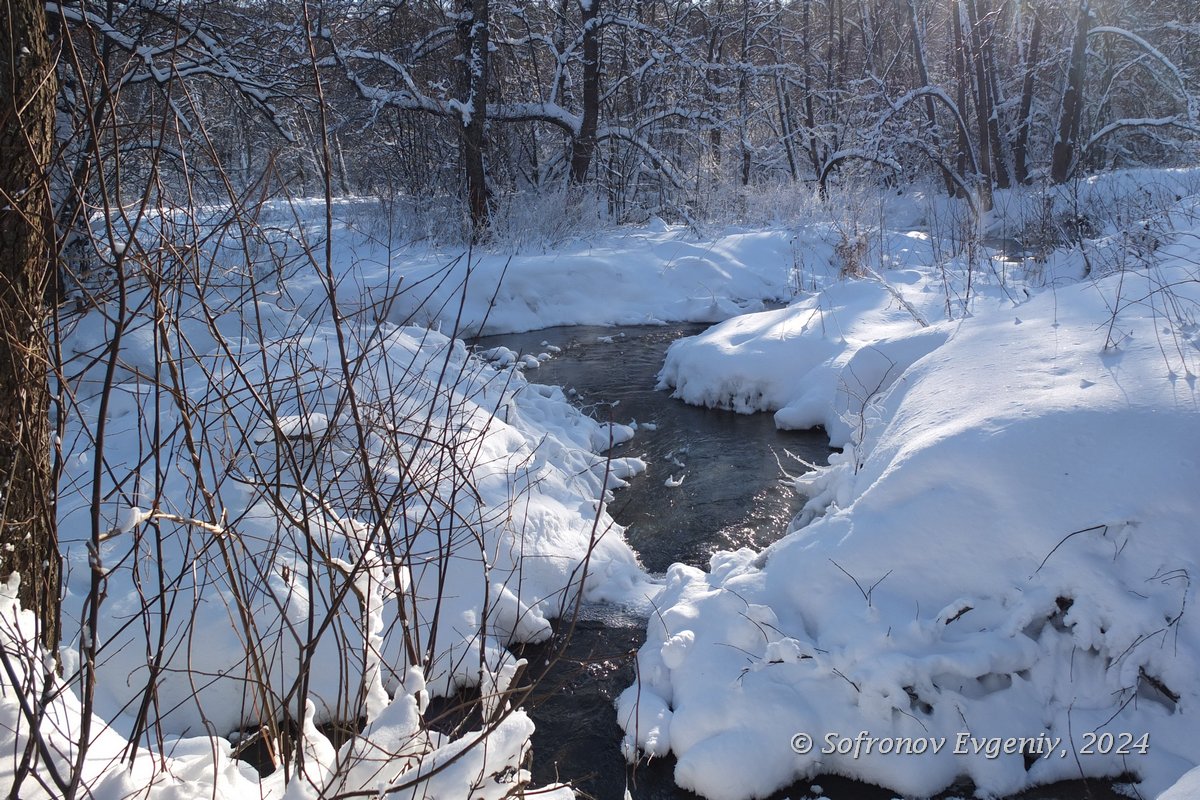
pixel 731 496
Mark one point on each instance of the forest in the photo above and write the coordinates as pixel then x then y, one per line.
pixel 273 524
pixel 677 109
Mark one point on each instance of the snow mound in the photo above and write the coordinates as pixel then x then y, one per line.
pixel 490 494
pixel 1006 548
pixel 640 277
pixel 790 360
pixel 393 749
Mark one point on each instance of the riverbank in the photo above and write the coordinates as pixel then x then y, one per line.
pixel 1004 548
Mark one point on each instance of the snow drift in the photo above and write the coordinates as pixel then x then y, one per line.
pixel 1006 546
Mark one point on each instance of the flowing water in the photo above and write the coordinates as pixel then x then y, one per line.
pixel 731 496
pixel 729 464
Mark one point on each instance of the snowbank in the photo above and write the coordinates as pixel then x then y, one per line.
pixel 487 484
pixel 318 514
pixel 625 277
pixel 1007 546
pixel 1004 550
pixel 792 360
pixel 393 750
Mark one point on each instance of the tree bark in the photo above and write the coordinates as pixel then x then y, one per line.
pixel 918 43
pixel 983 180
pixel 28 538
pixel 982 98
pixel 1063 157
pixel 810 120
pixel 473 41
pixel 984 26
pixel 744 99
pixel 714 55
pixel 1021 145
pixel 584 145
pixel 785 125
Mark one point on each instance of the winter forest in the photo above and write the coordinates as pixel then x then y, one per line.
pixel 632 399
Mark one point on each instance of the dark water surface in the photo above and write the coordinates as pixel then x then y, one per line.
pixel 731 496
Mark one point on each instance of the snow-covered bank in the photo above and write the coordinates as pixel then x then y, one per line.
pixel 792 360
pixel 457 450
pixel 269 508
pixel 631 276
pixel 483 489
pixel 348 509
pixel 1007 546
pixel 394 749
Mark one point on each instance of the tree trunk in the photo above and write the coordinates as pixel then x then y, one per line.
pixel 714 55
pixel 744 99
pixel 28 539
pixel 473 41
pixel 785 125
pixel 982 98
pixel 832 73
pixel 810 119
pixel 1021 145
pixel 1063 156
pixel 983 162
pixel 985 35
pixel 584 145
pixel 918 43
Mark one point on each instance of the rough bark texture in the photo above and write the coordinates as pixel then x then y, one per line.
pixel 1021 146
pixel 785 125
pixel 982 99
pixel 28 541
pixel 918 44
pixel 1063 157
pixel 984 28
pixel 473 39
pixel 584 146
pixel 982 162
pixel 810 120
pixel 744 100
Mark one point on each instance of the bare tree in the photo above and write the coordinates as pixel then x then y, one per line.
pixel 1071 112
pixel 1025 114
pixel 27 525
pixel 474 19
pixel 584 144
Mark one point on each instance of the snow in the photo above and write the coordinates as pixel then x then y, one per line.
pixel 537 456
pixel 1186 788
pixel 816 337
pixel 259 536
pixel 640 277
pixel 1003 549
pixel 392 750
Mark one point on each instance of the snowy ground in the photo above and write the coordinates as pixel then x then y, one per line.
pixel 242 437
pixel 1005 547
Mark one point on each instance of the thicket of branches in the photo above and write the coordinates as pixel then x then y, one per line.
pixel 274 509
pixel 139 211
pixel 648 105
